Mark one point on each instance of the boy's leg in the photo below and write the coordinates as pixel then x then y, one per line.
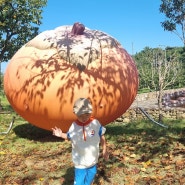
pixel 90 174
pixel 79 176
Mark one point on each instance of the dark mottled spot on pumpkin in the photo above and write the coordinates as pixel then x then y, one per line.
pixel 81 67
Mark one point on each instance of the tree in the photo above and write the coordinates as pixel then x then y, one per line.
pixel 167 68
pixel 174 11
pixel 144 66
pixel 19 21
pixel 159 69
pixel 147 73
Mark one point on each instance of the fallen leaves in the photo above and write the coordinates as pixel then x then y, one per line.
pixel 137 157
pixel 153 159
pixel 2 153
pixel 180 164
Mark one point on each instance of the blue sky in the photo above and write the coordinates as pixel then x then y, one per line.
pixel 134 23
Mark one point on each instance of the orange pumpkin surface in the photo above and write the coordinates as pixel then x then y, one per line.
pixel 49 73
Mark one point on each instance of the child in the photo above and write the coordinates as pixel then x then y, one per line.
pixel 85 134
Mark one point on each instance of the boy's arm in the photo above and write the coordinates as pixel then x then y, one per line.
pixel 104 147
pixel 58 132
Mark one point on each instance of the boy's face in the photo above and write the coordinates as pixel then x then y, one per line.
pixel 84 117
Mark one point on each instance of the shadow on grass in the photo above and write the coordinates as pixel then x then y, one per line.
pixel 32 132
pixel 68 177
pixel 144 139
pixel 146 128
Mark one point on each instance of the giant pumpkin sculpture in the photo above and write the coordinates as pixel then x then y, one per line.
pixel 48 74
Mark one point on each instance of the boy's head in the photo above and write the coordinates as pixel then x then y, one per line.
pixel 82 106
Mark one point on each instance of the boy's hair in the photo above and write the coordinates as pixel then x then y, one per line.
pixel 82 106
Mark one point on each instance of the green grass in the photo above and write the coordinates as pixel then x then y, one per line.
pixel 144 90
pixel 4 103
pixel 140 153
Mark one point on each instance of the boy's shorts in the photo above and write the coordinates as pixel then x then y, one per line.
pixel 85 176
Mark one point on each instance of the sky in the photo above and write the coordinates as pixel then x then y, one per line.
pixel 136 24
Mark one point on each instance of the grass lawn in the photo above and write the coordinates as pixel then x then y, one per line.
pixel 141 153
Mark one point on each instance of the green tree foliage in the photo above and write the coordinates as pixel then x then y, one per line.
pixel 147 62
pixel 160 69
pixel 144 67
pixel 19 21
pixel 174 11
pixel 182 59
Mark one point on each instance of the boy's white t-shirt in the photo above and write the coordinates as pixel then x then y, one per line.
pixel 85 143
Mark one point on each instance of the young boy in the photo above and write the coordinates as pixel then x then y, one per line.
pixel 85 134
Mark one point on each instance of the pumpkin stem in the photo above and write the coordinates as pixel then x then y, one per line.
pixel 77 29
